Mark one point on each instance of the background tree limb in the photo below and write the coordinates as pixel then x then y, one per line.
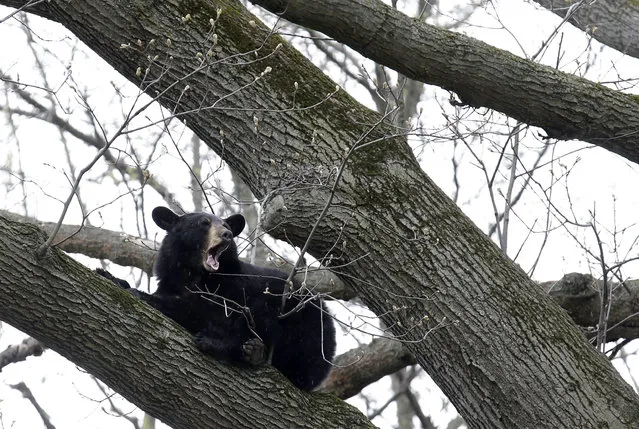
pixel 19 352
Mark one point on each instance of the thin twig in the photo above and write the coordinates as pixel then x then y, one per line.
pixel 26 392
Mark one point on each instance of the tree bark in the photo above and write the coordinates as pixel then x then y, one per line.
pixel 565 106
pixel 612 22
pixel 142 355
pixel 502 351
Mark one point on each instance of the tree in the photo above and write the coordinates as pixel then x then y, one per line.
pixel 502 351
pixel 610 22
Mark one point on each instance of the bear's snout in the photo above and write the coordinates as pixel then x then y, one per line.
pixel 226 235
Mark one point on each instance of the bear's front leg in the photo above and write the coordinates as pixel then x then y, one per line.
pixel 252 352
pixel 107 275
pixel 229 338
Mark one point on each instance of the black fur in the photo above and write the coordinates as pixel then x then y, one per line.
pixel 233 311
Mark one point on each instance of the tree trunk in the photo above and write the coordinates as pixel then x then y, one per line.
pixel 502 351
pixel 142 355
pixel 612 22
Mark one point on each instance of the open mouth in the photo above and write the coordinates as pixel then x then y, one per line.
pixel 212 259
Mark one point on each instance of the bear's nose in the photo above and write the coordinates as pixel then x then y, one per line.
pixel 226 235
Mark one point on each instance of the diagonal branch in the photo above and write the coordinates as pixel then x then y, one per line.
pixel 565 106
pixel 26 392
pixel 357 368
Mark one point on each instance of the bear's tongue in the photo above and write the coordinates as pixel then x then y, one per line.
pixel 212 256
pixel 211 261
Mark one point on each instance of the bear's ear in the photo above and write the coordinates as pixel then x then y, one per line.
pixel 236 222
pixel 164 218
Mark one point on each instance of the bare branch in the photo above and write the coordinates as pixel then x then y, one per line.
pixel 19 352
pixel 26 392
pixel 612 22
pixel 364 365
pixel 51 116
pixel 120 248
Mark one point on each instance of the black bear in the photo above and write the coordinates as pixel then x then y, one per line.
pixel 234 308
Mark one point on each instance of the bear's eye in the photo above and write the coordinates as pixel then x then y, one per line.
pixel 205 221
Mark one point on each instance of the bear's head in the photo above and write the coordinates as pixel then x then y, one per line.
pixel 195 244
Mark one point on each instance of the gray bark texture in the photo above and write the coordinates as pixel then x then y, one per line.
pixel 145 357
pixel 499 348
pixel 612 22
pixel 565 106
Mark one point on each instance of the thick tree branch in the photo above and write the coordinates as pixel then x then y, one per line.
pixel 612 22
pixel 579 295
pixel 565 106
pixel 123 249
pixel 130 347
